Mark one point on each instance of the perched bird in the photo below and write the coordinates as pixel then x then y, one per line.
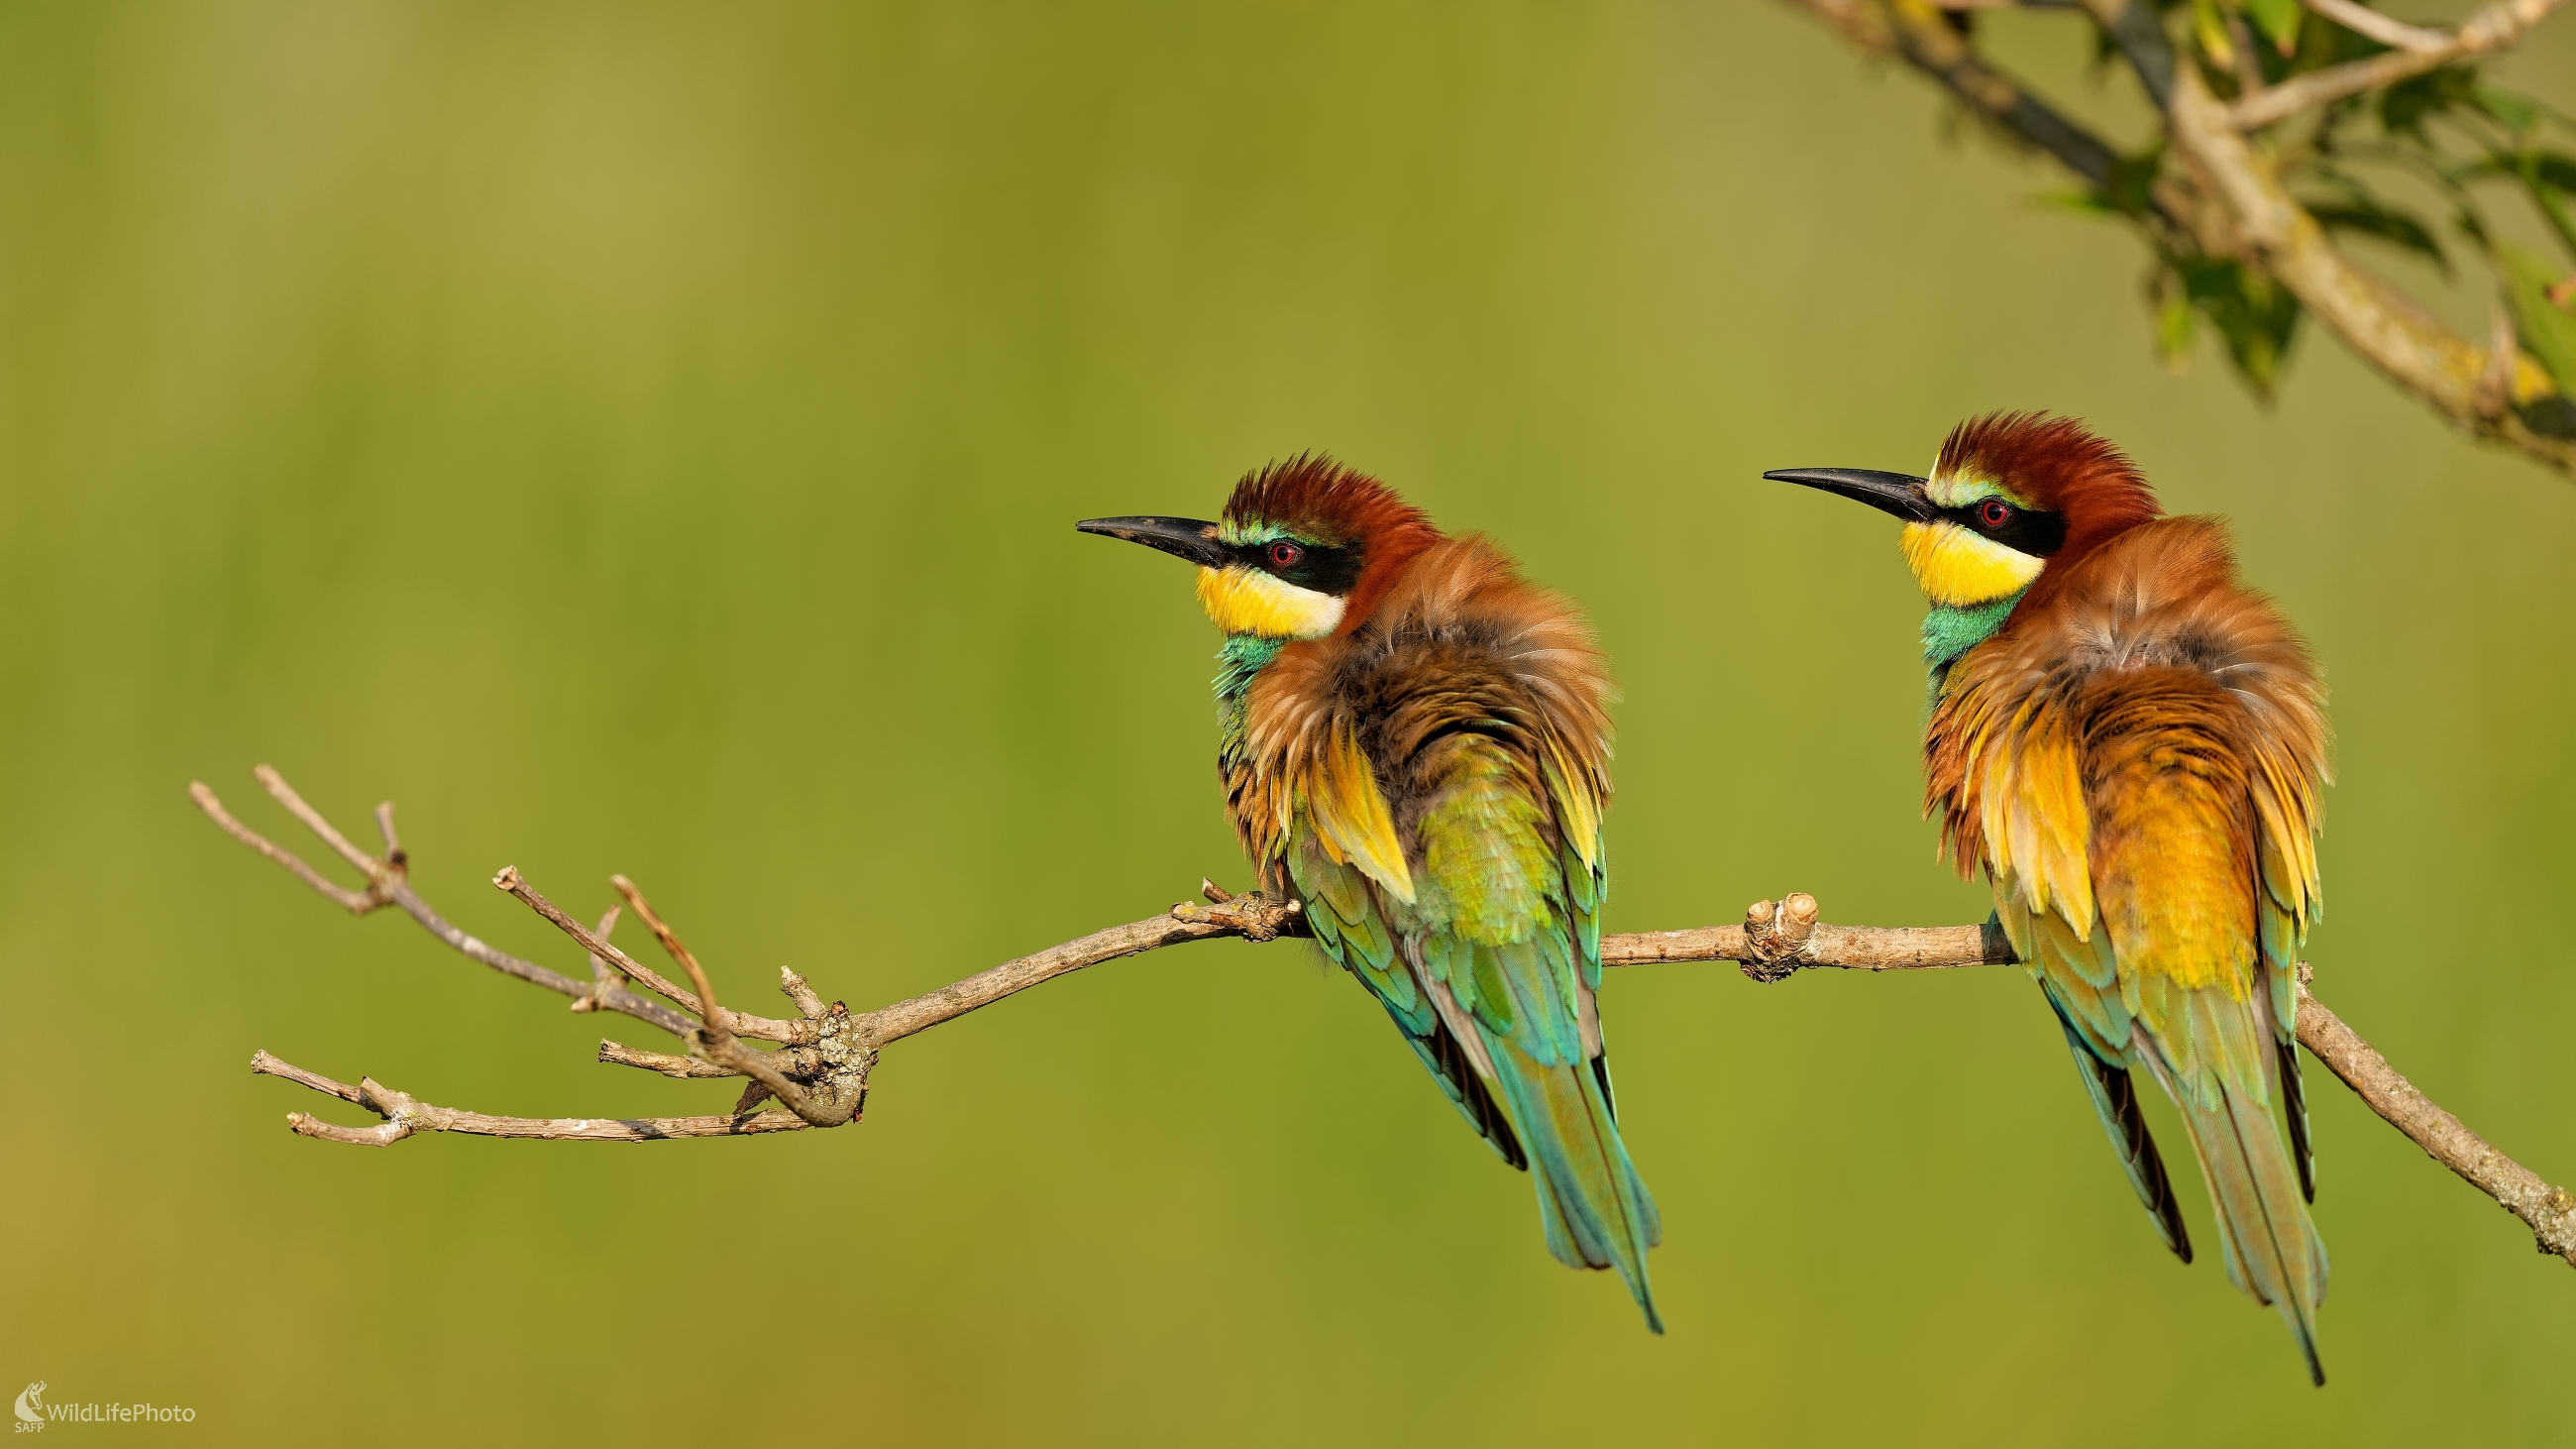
pixel 2131 743
pixel 1415 745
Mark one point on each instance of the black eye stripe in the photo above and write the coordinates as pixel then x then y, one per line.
pixel 2027 530
pixel 1325 568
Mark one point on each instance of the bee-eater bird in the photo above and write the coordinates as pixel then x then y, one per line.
pixel 2131 743
pixel 1415 745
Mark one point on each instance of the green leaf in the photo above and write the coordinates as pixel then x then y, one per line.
pixel 2173 330
pixel 2278 20
pixel 2211 29
pixel 2544 199
pixel 2551 417
pixel 2546 177
pixel 2105 50
pixel 2083 200
pixel 2131 186
pixel 2548 332
pixel 2322 45
pixel 2509 163
pixel 2128 191
pixel 2405 106
pixel 2515 113
pixel 2363 216
pixel 2254 315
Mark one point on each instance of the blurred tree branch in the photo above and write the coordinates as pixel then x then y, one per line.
pixel 2280 126
pixel 817 1073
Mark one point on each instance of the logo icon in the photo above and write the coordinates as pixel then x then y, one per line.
pixel 28 1410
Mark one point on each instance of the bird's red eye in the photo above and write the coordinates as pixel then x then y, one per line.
pixel 1284 554
pixel 1994 513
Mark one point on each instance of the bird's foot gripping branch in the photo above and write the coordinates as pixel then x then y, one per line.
pixel 814 1071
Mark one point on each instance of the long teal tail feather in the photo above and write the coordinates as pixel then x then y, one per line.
pixel 2271 1244
pixel 2294 1099
pixel 2115 1101
pixel 1596 1209
pixel 1466 1091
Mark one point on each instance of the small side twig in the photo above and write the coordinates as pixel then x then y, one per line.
pixel 793 987
pixel 356 903
pixel 617 1054
pixel 713 1041
pixel 406 1116
pixel 511 883
pixel 601 978
pixel 2497 27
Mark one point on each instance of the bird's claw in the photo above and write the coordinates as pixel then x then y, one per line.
pixel 1259 917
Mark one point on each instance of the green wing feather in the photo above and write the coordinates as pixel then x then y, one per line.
pixel 1344 918
pixel 2137 766
pixel 2080 980
pixel 2283 909
pixel 1502 932
pixel 2190 903
pixel 1508 921
pixel 1432 787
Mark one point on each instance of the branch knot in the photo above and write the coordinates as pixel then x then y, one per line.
pixel 1776 936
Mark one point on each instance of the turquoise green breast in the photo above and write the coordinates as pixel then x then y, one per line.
pixel 1238 663
pixel 1950 632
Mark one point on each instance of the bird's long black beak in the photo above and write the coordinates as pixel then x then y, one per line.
pixel 1899 493
pixel 1187 538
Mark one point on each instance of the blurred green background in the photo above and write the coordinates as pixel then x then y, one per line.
pixel 646 438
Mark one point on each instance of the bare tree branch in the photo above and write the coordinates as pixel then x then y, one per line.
pixel 404 1116
pixel 388 884
pixel 2549 1210
pixel 1783 937
pixel 1253 917
pixel 2230 203
pixel 2497 27
pixel 820 1075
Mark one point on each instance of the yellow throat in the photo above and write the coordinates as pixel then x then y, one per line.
pixel 1244 600
pixel 1959 569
